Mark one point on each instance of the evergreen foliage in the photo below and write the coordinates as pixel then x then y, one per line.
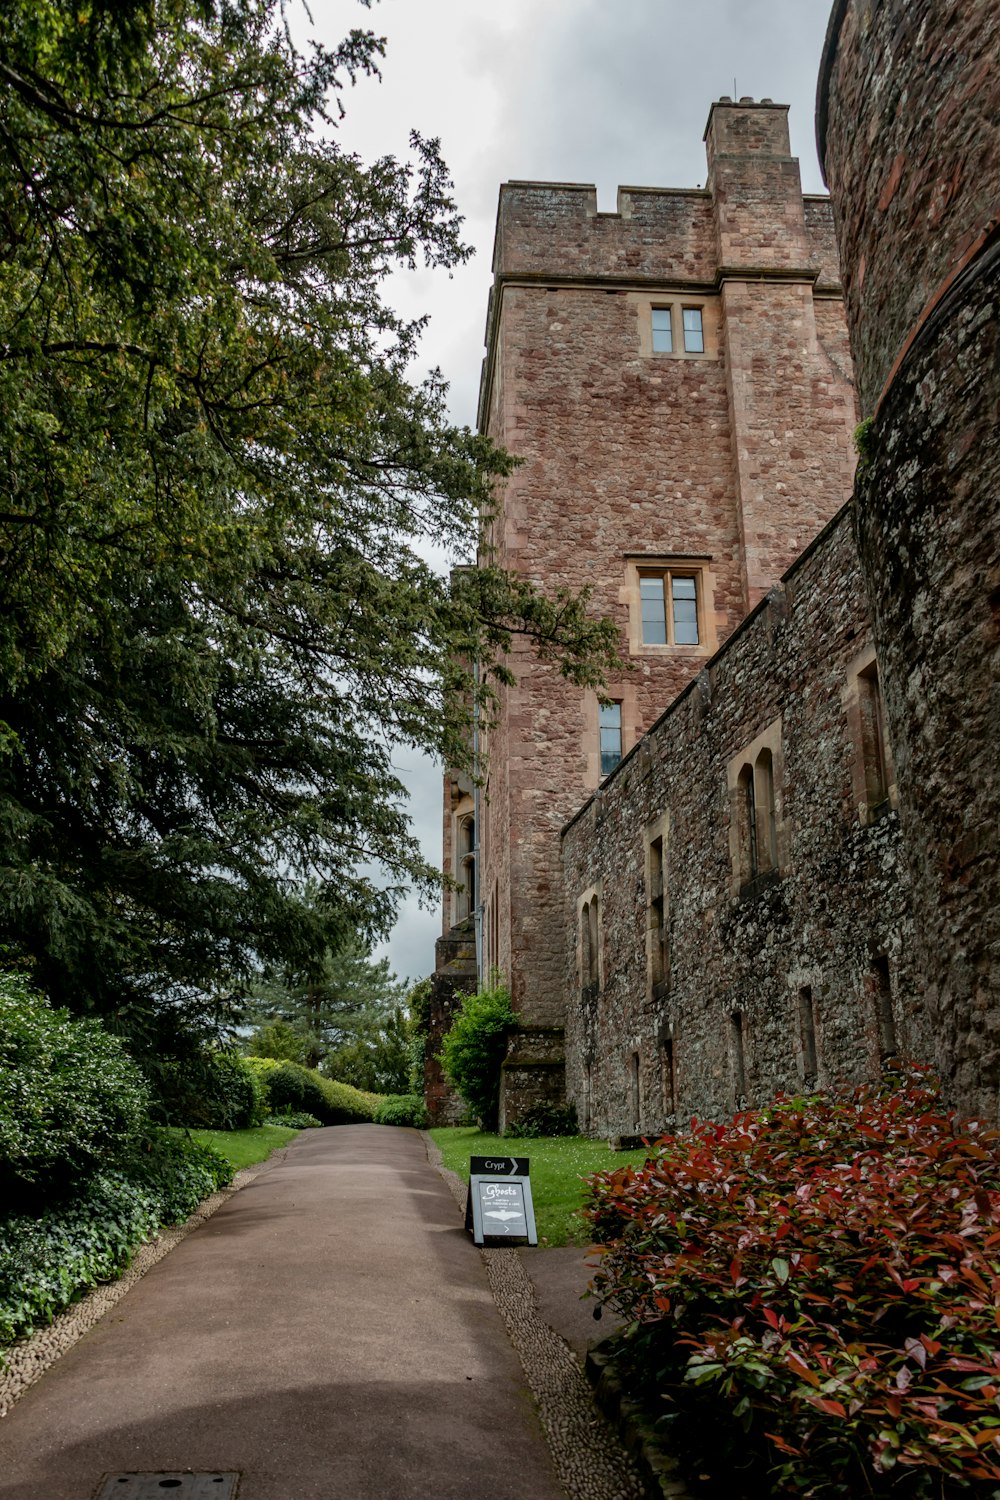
pixel 219 483
pixel 70 1099
pixel 473 1050
pixel 47 1260
pixel 340 1002
pixel 402 1109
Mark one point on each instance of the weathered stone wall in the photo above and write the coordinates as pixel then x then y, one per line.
pixel 910 131
pixel 908 127
pixel 736 459
pixel 823 925
pixel 454 975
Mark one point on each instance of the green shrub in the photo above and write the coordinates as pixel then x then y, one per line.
pixel 547 1120
pixel 401 1109
pixel 294 1120
pixel 48 1260
pixel 70 1099
pixel 811 1292
pixel 213 1090
pixel 289 1087
pixel 474 1049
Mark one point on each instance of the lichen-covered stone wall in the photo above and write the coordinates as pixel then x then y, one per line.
pixel 827 930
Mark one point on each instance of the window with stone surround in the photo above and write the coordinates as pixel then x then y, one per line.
pixel 880 992
pixel 610 730
pixel 757 833
pixel 873 774
pixel 589 963
pixel 679 326
pixel 670 605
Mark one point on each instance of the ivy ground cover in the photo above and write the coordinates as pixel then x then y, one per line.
pixel 812 1294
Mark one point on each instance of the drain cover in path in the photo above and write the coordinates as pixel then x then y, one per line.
pixel 177 1486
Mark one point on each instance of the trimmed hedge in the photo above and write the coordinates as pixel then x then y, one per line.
pixel 813 1293
pixel 70 1099
pixel 289 1086
pixel 401 1109
pixel 48 1261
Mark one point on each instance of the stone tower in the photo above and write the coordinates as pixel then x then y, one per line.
pixel 676 378
pixel 909 134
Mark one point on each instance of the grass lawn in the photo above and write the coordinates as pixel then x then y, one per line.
pixel 557 1165
pixel 243 1148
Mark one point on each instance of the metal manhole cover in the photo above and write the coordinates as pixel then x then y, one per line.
pixel 169 1485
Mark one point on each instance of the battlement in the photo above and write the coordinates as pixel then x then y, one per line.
pixel 750 215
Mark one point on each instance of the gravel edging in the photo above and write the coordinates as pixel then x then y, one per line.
pixel 28 1359
pixel 635 1426
pixel 589 1459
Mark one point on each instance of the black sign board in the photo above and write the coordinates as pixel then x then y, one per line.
pixel 499 1205
pixel 499 1166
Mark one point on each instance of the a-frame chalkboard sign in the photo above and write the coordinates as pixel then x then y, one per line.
pixel 499 1205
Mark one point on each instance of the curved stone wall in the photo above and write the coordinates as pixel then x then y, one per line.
pixel 908 127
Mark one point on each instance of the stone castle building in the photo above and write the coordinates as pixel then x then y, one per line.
pixel 703 890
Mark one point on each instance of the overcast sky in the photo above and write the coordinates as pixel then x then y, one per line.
pixel 559 91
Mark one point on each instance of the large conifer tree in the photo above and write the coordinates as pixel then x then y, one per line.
pixel 216 480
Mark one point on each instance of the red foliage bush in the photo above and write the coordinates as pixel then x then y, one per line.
pixel 827 1273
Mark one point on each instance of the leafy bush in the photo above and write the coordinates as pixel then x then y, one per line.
pixel 47 1261
pixel 547 1120
pixel 294 1120
pixel 401 1109
pixel 213 1090
pixel 822 1277
pixel 287 1086
pixel 474 1049
pixel 70 1099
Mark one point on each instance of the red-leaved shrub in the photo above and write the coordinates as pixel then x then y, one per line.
pixel 825 1275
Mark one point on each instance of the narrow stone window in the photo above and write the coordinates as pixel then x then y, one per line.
pixel 635 1089
pixel 881 985
pixel 663 338
pixel 766 840
pixel 585 1097
pixel 594 928
pixel 694 333
pixel 610 720
pixel 668 1075
pixel 586 959
pixel 807 1036
pixel 737 1057
pixel 658 951
pixel 873 742
pixel 747 813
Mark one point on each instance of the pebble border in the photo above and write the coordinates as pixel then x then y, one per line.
pixel 29 1358
pixel 589 1459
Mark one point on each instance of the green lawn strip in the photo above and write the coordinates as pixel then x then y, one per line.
pixel 558 1165
pixel 244 1148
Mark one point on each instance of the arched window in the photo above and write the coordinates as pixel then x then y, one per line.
pixel 590 939
pixel 465 903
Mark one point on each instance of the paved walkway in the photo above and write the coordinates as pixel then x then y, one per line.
pixel 329 1334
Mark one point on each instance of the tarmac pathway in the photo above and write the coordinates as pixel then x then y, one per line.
pixel 328 1334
